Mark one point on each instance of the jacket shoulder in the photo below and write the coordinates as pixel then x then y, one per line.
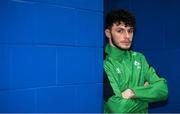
pixel 137 54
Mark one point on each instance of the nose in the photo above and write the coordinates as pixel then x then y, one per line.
pixel 127 35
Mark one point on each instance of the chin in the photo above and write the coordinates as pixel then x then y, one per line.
pixel 125 47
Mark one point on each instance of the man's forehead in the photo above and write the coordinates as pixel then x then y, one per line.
pixel 121 25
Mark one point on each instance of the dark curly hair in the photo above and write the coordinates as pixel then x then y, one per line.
pixel 118 16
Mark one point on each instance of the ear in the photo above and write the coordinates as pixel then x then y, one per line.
pixel 108 33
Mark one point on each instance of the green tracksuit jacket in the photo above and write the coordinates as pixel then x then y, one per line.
pixel 129 69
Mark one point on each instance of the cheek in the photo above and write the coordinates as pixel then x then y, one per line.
pixel 118 37
pixel 131 37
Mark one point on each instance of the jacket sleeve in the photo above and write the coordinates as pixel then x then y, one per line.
pixel 116 103
pixel 108 68
pixel 156 91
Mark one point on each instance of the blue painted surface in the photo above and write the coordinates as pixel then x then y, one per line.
pixel 95 5
pixel 51 56
pixel 93 92
pixel 4 68
pixel 56 99
pixel 21 101
pixel 70 69
pixel 32 66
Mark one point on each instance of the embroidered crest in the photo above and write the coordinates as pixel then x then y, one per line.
pixel 118 70
pixel 137 64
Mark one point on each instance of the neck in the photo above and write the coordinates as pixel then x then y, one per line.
pixel 115 52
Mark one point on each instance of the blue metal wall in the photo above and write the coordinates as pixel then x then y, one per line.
pixel 158 37
pixel 51 55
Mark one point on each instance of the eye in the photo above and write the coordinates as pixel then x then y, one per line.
pixel 120 30
pixel 131 30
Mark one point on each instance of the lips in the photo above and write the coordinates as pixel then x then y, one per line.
pixel 126 42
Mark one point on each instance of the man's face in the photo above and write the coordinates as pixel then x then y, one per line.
pixel 120 36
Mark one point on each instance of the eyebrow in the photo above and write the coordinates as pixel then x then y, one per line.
pixel 124 28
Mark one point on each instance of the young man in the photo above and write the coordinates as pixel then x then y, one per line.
pixel 129 82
